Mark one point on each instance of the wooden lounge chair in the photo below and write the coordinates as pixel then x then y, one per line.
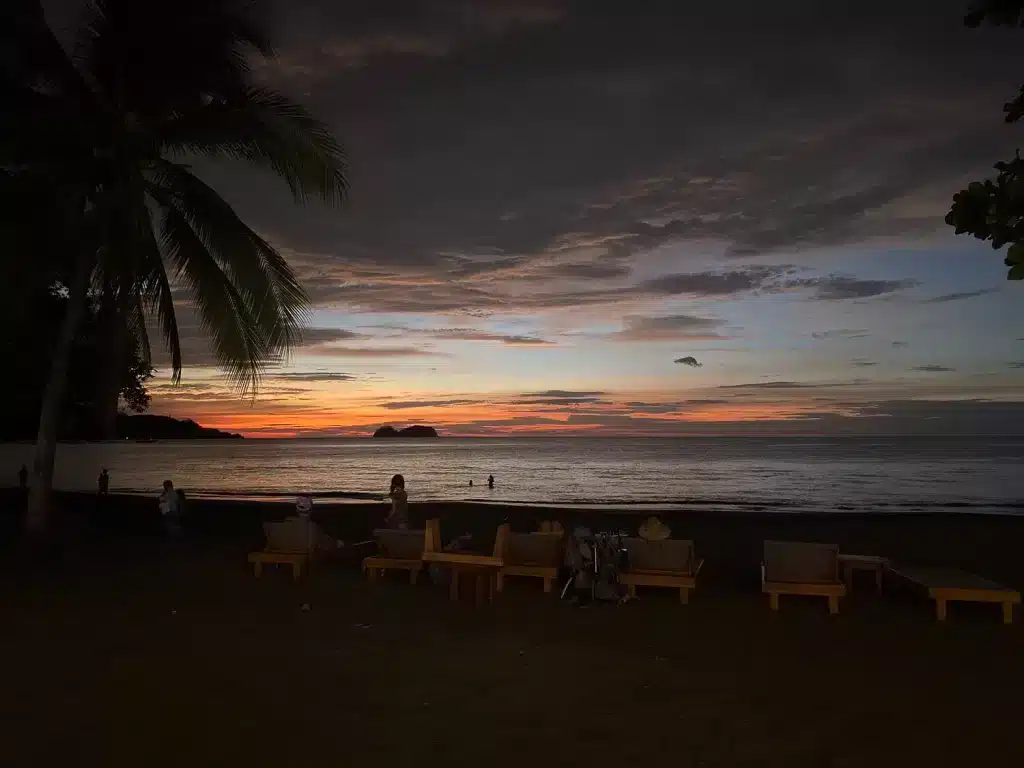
pixel 402 550
pixel 537 555
pixel 483 570
pixel 948 584
pixel 801 568
pixel 665 563
pixel 292 542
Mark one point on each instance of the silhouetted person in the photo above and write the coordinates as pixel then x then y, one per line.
pixel 398 517
pixel 170 509
pixel 490 481
pixel 23 477
pixel 103 482
pixel 470 483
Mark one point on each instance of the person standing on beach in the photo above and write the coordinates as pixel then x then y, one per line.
pixel 23 477
pixel 103 483
pixel 170 509
pixel 490 481
pixel 398 517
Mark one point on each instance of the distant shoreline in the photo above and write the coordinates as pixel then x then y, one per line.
pixel 353 500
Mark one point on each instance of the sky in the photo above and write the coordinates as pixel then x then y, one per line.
pixel 646 218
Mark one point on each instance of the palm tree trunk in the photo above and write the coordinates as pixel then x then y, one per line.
pixel 111 339
pixel 54 396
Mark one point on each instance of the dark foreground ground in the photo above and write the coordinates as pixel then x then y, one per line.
pixel 118 650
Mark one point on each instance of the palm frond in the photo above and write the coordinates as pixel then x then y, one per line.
pixel 152 292
pixel 225 315
pixel 259 273
pixel 135 320
pixel 266 129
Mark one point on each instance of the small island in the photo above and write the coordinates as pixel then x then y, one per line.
pixel 416 430
pixel 149 427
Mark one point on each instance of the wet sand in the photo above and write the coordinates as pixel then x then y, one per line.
pixel 122 650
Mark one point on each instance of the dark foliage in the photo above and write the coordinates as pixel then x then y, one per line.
pixel 993 210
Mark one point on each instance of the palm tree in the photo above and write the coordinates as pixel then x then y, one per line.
pixel 110 131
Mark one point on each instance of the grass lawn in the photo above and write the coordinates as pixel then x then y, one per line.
pixel 122 657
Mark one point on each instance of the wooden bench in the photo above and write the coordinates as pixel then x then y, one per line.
pixel 801 568
pixel 402 550
pixel 533 555
pixel 667 563
pixel 484 569
pixel 294 541
pixel 945 585
pixel 296 559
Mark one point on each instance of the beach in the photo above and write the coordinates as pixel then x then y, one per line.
pixel 173 655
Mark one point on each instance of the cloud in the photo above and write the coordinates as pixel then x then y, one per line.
pixel 843 287
pixel 470 334
pixel 667 328
pixel 399 405
pixel 561 393
pixel 556 397
pixel 864 363
pixel 313 336
pixel 584 271
pixel 958 296
pixel 740 155
pixel 713 283
pixel 900 344
pixel 788 385
pixel 335 351
pixel 312 376
pixel 1016 364
pixel 690 361
pixel 841 333
pixel 408 32
pixel 933 368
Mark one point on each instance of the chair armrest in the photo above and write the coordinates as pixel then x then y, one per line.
pixel 700 564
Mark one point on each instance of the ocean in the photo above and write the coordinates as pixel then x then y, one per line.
pixel 795 474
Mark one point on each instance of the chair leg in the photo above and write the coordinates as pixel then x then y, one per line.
pixel 257 569
pixel 632 590
pixel 1007 613
pixel 684 595
pixel 833 605
pixel 371 575
pixel 296 570
pixel 478 588
pixel 773 600
pixel 940 609
pixel 499 582
pixel 453 591
pixel 547 584
pixel 414 574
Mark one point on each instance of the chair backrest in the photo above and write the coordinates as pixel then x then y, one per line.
pixel 662 555
pixel 543 549
pixel 287 536
pixel 400 544
pixel 801 561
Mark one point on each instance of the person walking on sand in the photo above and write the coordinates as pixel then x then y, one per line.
pixel 490 481
pixel 23 477
pixel 170 509
pixel 103 483
pixel 398 517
